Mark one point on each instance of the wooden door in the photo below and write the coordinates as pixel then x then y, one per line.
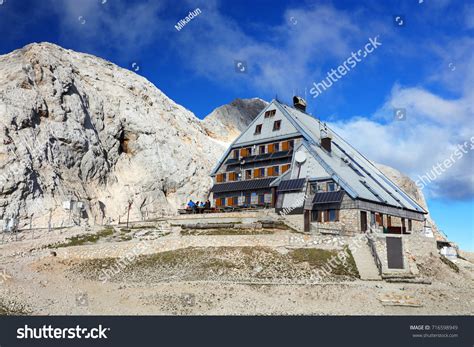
pixel 307 221
pixel 363 221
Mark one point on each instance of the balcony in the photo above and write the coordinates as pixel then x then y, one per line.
pixel 260 157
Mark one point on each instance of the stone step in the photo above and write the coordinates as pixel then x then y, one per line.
pixel 365 262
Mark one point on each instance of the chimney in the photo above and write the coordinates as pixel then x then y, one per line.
pixel 326 143
pixel 299 103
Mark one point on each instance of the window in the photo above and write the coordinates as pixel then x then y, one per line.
pixel 270 113
pixel 372 218
pixel 322 187
pixel 245 152
pixel 253 198
pixel 276 147
pixel 273 171
pixel 236 154
pixel 332 214
pixel 235 201
pixel 232 176
pixel 262 172
pixel 331 186
pixel 258 129
pixel 220 178
pixel 261 199
pixel 276 125
pixel 248 174
pixel 409 225
pixel 317 216
pixel 261 149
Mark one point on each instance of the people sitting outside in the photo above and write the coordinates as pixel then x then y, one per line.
pixel 191 205
pixel 198 206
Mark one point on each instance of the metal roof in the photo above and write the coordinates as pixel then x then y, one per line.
pixel 242 185
pixel 291 185
pixel 354 170
pixel 328 197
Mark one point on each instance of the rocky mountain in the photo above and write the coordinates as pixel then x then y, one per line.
pixel 74 127
pixel 228 121
pixel 81 139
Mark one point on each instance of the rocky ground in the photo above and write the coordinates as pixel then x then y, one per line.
pixel 154 269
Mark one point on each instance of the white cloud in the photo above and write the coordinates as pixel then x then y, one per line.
pixel 433 129
pixel 283 59
pixel 121 26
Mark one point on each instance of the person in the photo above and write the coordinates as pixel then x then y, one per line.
pixel 191 204
pixel 207 205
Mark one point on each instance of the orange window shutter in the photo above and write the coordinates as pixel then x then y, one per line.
pixel 243 152
pixel 285 168
pixel 256 173
pixel 219 178
pixel 271 148
pixel 270 171
pixel 229 201
pixel 285 146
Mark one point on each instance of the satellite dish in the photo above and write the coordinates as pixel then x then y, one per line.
pixel 300 157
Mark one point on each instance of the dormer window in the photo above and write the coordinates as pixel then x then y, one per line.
pixel 258 129
pixel 270 113
pixel 331 186
pixel 276 125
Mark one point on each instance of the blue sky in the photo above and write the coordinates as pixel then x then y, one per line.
pixel 424 66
